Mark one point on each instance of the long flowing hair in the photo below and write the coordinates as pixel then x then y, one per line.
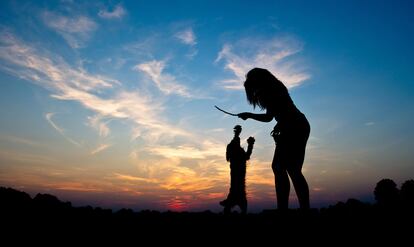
pixel 263 87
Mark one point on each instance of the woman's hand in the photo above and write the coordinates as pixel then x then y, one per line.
pixel 244 115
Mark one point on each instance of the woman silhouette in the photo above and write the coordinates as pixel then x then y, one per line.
pixel 291 133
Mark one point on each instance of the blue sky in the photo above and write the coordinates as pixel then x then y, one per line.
pixel 111 102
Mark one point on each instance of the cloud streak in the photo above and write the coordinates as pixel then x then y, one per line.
pixel 207 149
pixel 97 123
pixel 273 54
pixel 117 13
pixel 76 84
pixel 187 37
pixel 100 148
pixel 21 140
pixel 75 30
pixel 49 71
pixel 60 130
pixel 126 177
pixel 28 158
pixel 165 82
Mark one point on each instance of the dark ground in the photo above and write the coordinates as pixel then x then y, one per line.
pixel 46 219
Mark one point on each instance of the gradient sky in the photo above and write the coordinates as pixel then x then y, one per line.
pixel 110 103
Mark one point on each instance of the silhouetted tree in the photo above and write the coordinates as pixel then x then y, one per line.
pixel 386 193
pixel 13 200
pixel 407 193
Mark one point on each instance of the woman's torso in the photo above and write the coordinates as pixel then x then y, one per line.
pixel 289 118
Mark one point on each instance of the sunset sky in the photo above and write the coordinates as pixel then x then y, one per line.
pixel 111 103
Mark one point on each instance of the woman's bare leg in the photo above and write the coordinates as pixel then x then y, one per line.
pixel 301 188
pixel 282 183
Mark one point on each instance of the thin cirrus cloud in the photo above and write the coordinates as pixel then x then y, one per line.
pixel 21 140
pixel 75 30
pixel 274 54
pixel 187 37
pixel 97 123
pixel 207 149
pixel 49 71
pixel 100 148
pixel 165 82
pixel 18 156
pixel 68 83
pixel 126 177
pixel 117 13
pixel 60 130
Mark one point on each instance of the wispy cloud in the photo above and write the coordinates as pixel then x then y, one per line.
pixel 273 54
pixel 206 150
pixel 141 109
pixel 187 37
pixel 192 53
pixel 73 186
pixel 171 176
pixel 98 123
pixel 49 119
pixel 61 131
pixel 24 157
pixel 21 140
pixel 117 13
pixel 165 82
pixel 144 47
pixel 75 30
pixel 68 83
pixel 49 71
pixel 187 180
pixel 100 148
pixel 134 178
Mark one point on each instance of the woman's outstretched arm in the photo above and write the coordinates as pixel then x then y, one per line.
pixel 265 117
